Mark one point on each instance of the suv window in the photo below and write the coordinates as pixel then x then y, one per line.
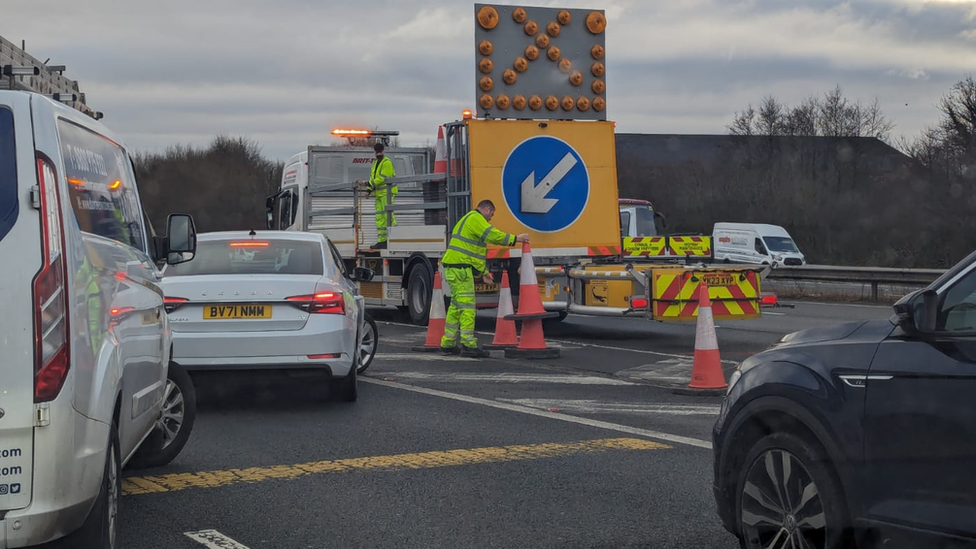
pixel 101 185
pixel 957 313
pixel 9 204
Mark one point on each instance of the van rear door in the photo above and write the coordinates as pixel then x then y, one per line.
pixel 20 246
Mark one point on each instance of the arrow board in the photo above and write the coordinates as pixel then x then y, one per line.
pixel 545 184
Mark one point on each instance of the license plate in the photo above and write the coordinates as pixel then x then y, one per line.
pixel 719 279
pixel 486 288
pixel 241 311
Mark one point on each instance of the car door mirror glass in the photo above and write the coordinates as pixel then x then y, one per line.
pixel 362 274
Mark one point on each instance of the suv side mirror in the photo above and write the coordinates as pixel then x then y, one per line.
pixel 362 274
pixel 918 311
pixel 181 239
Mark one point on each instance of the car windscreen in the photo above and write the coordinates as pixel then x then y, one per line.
pixel 9 205
pixel 780 244
pixel 229 257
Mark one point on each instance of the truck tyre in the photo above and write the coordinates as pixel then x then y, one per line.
pixel 100 530
pixel 420 286
pixel 174 423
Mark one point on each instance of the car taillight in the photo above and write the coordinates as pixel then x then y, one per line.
pixel 173 303
pixel 52 354
pixel 638 303
pixel 320 303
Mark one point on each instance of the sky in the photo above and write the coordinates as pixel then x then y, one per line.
pixel 285 73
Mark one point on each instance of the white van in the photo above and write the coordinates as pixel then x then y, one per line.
pixel 755 243
pixel 84 335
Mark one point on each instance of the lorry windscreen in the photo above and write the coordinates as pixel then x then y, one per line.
pixel 645 221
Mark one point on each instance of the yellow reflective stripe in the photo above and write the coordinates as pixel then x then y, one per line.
pixel 468 252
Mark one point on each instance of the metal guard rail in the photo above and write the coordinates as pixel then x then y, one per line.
pixel 875 276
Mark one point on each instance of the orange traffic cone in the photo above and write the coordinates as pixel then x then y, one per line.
pixel 440 153
pixel 506 336
pixel 532 343
pixel 707 377
pixel 437 318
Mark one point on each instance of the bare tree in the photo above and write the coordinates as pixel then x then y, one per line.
pixel 874 123
pixel 743 123
pixel 959 120
pixel 802 119
pixel 770 117
pixel 831 116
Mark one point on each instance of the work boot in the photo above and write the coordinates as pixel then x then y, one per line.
pixel 379 246
pixel 450 350
pixel 474 352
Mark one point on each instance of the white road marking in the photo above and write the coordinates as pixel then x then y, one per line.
pixel 214 540
pixel 670 370
pixel 656 435
pixel 598 407
pixel 454 377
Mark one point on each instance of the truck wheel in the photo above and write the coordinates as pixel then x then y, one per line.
pixel 100 530
pixel 420 286
pixel 174 423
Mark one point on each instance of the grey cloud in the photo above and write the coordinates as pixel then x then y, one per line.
pixel 285 73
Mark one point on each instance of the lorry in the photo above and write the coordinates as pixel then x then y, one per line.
pixel 580 265
pixel 549 167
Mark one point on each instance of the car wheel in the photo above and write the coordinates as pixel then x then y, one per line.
pixel 173 424
pixel 367 344
pixel 788 497
pixel 100 530
pixel 420 286
pixel 347 388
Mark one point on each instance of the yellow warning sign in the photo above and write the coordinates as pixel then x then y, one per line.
pixel 643 246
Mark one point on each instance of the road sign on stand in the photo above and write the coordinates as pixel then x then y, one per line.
pixel 545 184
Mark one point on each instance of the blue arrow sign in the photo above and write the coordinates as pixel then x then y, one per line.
pixel 545 184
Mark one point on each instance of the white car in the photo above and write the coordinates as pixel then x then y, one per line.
pixel 272 300
pixel 84 336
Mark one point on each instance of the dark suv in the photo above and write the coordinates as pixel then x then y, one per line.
pixel 859 434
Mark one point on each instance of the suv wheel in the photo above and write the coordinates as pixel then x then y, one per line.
pixel 787 497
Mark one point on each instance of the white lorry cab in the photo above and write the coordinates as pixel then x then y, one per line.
pixel 755 243
pixel 84 334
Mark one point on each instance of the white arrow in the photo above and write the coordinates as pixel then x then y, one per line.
pixel 534 196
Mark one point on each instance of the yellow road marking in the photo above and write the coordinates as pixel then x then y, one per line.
pixel 451 458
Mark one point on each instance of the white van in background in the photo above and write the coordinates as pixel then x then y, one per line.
pixel 755 243
pixel 84 335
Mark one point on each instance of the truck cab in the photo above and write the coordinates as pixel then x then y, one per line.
pixel 638 218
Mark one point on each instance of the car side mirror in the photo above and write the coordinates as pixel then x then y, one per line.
pixel 181 238
pixel 269 206
pixel 362 274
